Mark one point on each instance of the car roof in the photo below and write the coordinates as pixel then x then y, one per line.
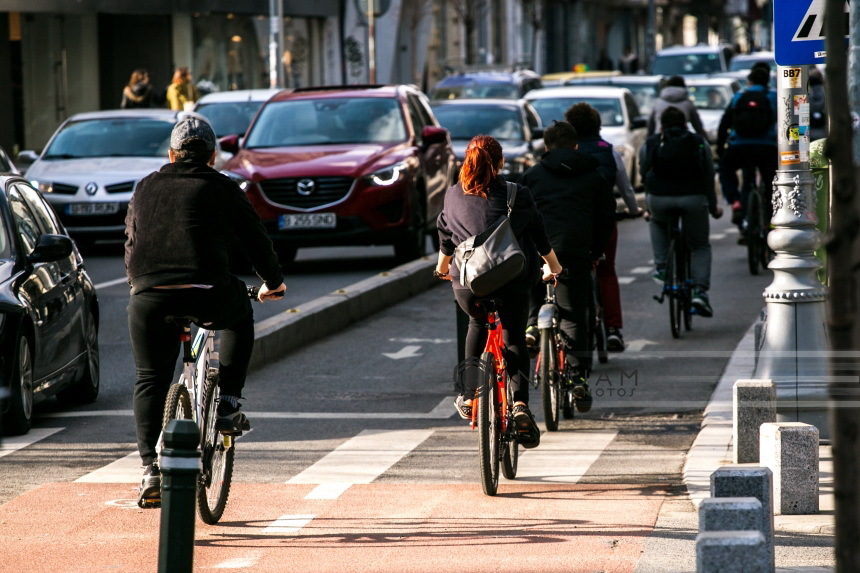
pixel 720 80
pixel 154 113
pixel 238 96
pixel 616 79
pixel 578 91
pixel 754 56
pixel 317 92
pixel 697 49
pixel 485 102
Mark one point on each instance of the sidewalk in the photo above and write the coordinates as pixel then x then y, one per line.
pixel 804 543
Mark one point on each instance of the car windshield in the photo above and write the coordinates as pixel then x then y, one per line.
pixel 229 118
pixel 112 137
pixel 686 64
pixel 327 121
pixel 476 91
pixel 467 121
pixel 609 109
pixel 742 64
pixel 710 97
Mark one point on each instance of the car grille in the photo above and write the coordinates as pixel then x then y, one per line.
pixel 63 189
pixel 125 187
pixel 327 190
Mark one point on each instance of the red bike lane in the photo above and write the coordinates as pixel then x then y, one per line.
pixel 578 528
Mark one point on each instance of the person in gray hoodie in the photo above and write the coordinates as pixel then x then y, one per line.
pixel 674 94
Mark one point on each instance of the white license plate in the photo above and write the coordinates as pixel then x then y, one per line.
pixel 307 221
pixel 92 208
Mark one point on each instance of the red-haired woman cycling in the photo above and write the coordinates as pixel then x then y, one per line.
pixel 472 206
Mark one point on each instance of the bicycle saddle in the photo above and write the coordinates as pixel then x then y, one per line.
pixel 185 320
pixel 489 304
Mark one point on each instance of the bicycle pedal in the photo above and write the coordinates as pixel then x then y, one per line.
pixel 150 503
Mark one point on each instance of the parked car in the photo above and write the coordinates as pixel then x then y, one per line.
pixel 231 112
pixel 6 165
pixel 345 165
pixel 692 60
pixel 744 62
pixel 646 89
pixel 623 124
pixel 50 313
pixel 486 84
pixel 515 123
pixel 93 162
pixel 711 96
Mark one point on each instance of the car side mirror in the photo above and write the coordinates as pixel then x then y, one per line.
pixel 432 134
pixel 51 248
pixel 230 144
pixel 639 122
pixel 25 159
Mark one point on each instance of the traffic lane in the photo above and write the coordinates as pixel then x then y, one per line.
pixel 370 528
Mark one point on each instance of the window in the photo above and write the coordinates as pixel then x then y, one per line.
pixel 28 227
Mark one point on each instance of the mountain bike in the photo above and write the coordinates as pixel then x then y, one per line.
pixel 492 407
pixel 195 397
pixel 677 284
pixel 755 229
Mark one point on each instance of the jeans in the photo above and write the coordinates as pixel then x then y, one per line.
pixel 610 292
pixel 696 227
pixel 156 346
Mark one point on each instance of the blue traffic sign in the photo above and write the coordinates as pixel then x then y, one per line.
pixel 798 31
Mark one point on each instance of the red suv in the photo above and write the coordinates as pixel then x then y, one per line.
pixel 345 165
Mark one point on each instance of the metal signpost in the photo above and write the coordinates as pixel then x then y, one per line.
pixel 793 346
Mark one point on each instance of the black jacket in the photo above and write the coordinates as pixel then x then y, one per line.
pixel 181 223
pixel 602 151
pixel 465 215
pixel 575 201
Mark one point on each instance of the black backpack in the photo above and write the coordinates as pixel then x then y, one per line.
pixel 752 116
pixel 677 156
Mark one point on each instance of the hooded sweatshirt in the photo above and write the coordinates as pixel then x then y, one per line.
pixel 575 201
pixel 675 96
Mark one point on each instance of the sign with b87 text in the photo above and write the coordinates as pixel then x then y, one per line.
pixel 798 31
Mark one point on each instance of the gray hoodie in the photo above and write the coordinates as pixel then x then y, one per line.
pixel 679 97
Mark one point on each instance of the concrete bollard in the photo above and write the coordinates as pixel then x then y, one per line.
pixel 753 404
pixel 747 480
pixel 730 514
pixel 738 551
pixel 790 450
pixel 180 466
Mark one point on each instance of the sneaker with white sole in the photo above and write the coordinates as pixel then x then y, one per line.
pixel 701 303
pixel 149 495
pixel 464 407
pixel 528 434
pixel 231 420
pixel 614 340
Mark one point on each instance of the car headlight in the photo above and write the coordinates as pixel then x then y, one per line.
pixel 389 175
pixel 43 186
pixel 243 183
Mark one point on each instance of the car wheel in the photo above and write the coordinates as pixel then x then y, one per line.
pixel 86 388
pixel 18 419
pixel 412 244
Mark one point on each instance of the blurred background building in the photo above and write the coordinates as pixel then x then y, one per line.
pixel 59 57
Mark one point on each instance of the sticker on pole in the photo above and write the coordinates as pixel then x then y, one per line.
pixel 789 157
pixel 798 31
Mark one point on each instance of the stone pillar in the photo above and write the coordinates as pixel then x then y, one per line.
pixel 754 404
pixel 790 450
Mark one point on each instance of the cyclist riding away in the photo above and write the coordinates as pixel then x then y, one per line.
pixel 179 229
pixel 578 209
pixel 746 140
pixel 678 171
pixel 472 206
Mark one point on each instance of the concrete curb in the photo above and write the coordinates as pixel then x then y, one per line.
pixel 277 335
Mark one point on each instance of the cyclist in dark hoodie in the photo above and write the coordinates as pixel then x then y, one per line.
pixel 578 209
pixel 675 94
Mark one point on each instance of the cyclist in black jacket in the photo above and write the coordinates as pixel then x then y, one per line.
pixel 179 227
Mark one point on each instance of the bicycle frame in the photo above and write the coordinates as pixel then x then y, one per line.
pixel 494 345
pixel 548 318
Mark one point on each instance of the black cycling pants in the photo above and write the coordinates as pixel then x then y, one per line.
pixel 747 158
pixel 156 347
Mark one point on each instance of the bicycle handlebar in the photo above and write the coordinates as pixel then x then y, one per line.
pixel 254 292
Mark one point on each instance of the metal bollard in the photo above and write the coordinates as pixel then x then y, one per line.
pixel 180 466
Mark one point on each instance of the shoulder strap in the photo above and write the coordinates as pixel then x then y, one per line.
pixel 512 195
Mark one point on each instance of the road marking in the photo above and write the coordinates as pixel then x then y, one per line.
pixel 288 524
pixel 123 470
pixel 427 340
pixel 363 458
pixel 640 270
pixel 732 231
pixel 626 280
pixel 405 352
pixel 112 283
pixel 562 456
pixel 12 444
pixel 89 413
pixel 638 344
pixel 717 236
pixel 331 490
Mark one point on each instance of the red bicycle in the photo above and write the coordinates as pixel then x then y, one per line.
pixel 492 407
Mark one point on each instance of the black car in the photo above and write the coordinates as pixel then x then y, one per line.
pixel 49 312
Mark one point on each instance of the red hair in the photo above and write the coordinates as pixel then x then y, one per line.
pixel 483 154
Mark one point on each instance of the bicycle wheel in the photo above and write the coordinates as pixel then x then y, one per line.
pixel 511 449
pixel 687 290
pixel 754 233
pixel 601 337
pixel 177 406
pixel 217 459
pixel 489 427
pixel 672 286
pixel 566 398
pixel 549 379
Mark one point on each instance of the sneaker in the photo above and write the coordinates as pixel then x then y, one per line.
pixel 528 434
pixel 581 394
pixel 614 340
pixel 737 213
pixel 701 303
pixel 464 407
pixel 659 277
pixel 532 336
pixel 231 421
pixel 149 495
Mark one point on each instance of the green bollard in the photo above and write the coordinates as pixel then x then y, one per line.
pixel 821 173
pixel 180 467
